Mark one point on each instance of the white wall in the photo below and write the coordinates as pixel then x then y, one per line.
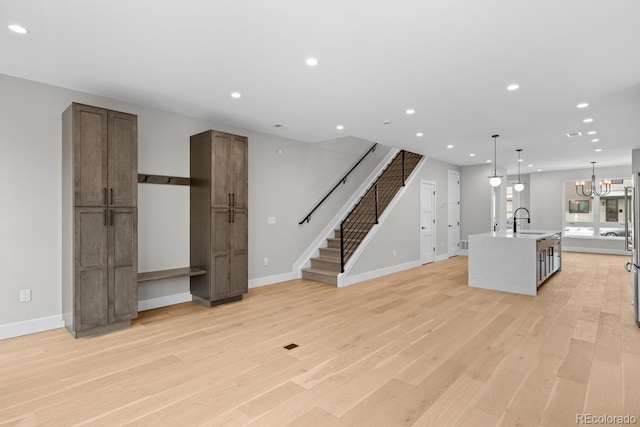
pixel 284 186
pixel 400 232
pixel 475 200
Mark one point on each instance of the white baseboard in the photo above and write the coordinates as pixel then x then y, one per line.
pixel 270 280
pixel 151 303
pixel 442 257
pixel 350 280
pixel 596 251
pixel 11 330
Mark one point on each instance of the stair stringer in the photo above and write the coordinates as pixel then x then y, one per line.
pixel 342 278
pixel 313 249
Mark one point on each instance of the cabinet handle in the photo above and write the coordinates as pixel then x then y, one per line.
pixel 111 194
pixel 233 216
pixel 229 215
pixel 104 217
pixel 111 217
pixel 233 199
pixel 104 196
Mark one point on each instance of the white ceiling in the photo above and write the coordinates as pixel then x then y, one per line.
pixel 450 60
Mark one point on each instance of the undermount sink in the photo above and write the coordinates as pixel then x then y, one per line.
pixel 528 232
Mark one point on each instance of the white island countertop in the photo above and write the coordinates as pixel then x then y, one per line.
pixel 513 262
pixel 524 234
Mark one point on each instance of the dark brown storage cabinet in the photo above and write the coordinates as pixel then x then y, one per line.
pixel 99 219
pixel 218 225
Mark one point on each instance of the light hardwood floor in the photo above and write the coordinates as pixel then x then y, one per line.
pixel 414 348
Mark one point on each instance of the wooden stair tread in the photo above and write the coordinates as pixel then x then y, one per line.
pixel 319 271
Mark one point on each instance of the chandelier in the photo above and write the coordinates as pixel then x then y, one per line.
pixel 605 186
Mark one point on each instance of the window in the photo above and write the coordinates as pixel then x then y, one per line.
pixel 595 216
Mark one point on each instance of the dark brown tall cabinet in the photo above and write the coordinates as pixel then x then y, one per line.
pixel 218 236
pixel 99 219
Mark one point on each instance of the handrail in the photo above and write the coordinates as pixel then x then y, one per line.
pixel 342 181
pixel 366 213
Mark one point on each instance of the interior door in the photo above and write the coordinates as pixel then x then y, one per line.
pixel 453 212
pixel 427 221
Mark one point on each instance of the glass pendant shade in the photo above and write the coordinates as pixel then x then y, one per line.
pixel 519 186
pixel 495 181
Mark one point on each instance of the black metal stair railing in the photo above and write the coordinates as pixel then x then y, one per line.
pixel 365 214
pixel 343 180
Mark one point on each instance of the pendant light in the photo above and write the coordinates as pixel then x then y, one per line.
pixel 495 179
pixel 519 186
pixel 605 186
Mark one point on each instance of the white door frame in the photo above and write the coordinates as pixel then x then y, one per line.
pixel 453 213
pixel 431 257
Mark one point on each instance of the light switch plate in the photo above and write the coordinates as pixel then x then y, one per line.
pixel 271 220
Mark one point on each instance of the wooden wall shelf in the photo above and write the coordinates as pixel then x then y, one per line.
pixel 172 273
pixel 146 178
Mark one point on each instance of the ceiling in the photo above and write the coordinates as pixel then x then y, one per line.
pixel 449 60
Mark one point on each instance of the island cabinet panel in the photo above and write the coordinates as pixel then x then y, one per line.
pixel 218 225
pixel 514 262
pixel 99 219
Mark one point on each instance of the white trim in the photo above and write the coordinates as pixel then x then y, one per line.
pixel 365 242
pixel 377 273
pixel 151 303
pixel 305 259
pixel 270 280
pixel 11 330
pixel 434 206
pixel 596 250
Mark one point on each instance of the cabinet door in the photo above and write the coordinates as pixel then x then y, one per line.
pixel 123 159
pixel 89 155
pixel 238 252
pixel 238 166
pixel 220 279
pixel 123 264
pixel 220 170
pixel 90 273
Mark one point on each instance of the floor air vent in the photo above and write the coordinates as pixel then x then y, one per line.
pixel 464 244
pixel 291 346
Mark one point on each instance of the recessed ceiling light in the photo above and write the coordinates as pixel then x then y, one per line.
pixel 419 134
pixel 513 86
pixel 488 161
pixel 574 134
pixel 539 170
pixel 597 150
pixel 595 140
pixel 582 105
pixel 411 111
pixel 449 146
pixel 236 95
pixel 18 29
pixel 520 160
pixel 312 62
pixel 588 120
pixel 592 132
pixel 339 127
pixel 472 155
pixel 530 166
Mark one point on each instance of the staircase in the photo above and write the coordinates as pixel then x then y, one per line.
pixel 361 219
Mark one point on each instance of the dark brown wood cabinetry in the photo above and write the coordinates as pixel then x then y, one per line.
pixel 218 236
pixel 99 219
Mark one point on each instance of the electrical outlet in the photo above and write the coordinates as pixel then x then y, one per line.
pixel 25 295
pixel 266 261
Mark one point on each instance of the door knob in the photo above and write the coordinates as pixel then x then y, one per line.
pixel 424 228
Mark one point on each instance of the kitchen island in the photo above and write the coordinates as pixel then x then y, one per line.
pixel 514 262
